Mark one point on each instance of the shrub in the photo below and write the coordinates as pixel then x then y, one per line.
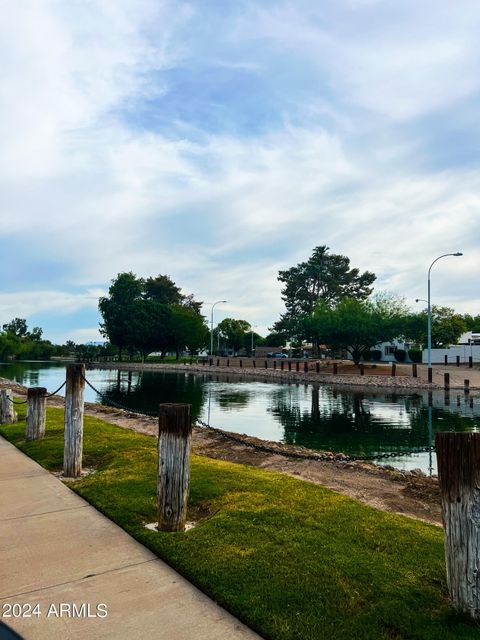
pixel 415 355
pixel 376 354
pixel 400 355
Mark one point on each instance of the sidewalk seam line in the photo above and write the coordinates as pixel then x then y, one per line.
pixel 45 513
pixel 62 584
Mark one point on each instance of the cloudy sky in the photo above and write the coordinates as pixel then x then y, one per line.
pixel 219 141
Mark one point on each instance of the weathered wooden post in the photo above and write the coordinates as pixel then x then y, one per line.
pixel 275 364
pixel 458 361
pixel 254 364
pixel 204 362
pixel 394 369
pixel 297 366
pixel 8 415
pixel 362 370
pixel 228 362
pixel 36 409
pixel 289 365
pixel 430 375
pixel 470 362
pixel 73 446
pixel 174 439
pixel 211 362
pixel 446 380
pixel 335 368
pixel 458 457
pixel 281 365
pixel 266 364
pixel 218 362
pixel 466 386
pixel 445 359
pixel 317 367
pixel 305 366
pixel 414 370
pixel 241 364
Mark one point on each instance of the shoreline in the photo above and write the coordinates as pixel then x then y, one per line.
pixel 402 382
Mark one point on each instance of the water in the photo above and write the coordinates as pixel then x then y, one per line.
pixel 367 423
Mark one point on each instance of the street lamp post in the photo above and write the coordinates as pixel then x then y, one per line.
pixel 211 325
pixel 252 328
pixel 429 315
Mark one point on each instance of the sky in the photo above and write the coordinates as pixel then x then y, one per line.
pixel 219 141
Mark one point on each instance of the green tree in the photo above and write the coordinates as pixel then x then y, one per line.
pixel 17 327
pixel 356 326
pixel 121 311
pixel 323 277
pixel 234 332
pixel 447 327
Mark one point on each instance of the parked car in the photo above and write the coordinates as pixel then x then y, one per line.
pixel 276 354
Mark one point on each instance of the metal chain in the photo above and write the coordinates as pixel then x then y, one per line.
pixel 16 401
pixel 151 414
pixel 49 395
pixel 323 457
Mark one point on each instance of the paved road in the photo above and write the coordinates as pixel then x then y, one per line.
pixel 57 549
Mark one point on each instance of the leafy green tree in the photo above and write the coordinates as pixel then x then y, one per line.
pixel 447 327
pixel 121 311
pixel 234 332
pixel 356 326
pixel 472 322
pixel 189 330
pixel 17 327
pixel 323 277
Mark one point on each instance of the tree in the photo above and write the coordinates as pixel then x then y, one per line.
pixel 356 326
pixel 121 311
pixel 323 277
pixel 447 327
pixel 17 327
pixel 234 332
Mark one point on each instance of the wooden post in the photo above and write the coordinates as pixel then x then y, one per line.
pixel 8 415
pixel 394 369
pixel 266 364
pixel 36 408
pixel 445 357
pixel 362 370
pixel 458 361
pixel 470 362
pixel 254 363
pixel 317 367
pixel 204 362
pixel 241 364
pixel 430 375
pixel 446 380
pixel 218 362
pixel 335 368
pixel 458 457
pixel 73 446
pixel 282 365
pixel 228 362
pixel 289 365
pixel 211 361
pixel 174 439
pixel 297 366
pixel 414 370
pixel 305 366
pixel 466 386
pixel 274 364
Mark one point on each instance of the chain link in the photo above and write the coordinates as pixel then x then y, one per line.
pixel 16 401
pixel 323 457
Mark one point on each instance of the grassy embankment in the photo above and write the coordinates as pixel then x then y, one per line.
pixel 289 558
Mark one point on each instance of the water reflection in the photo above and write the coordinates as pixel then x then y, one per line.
pixel 357 422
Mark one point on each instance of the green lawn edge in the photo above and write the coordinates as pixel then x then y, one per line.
pixel 291 559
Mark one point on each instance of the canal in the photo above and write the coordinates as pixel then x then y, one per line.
pixel 367 422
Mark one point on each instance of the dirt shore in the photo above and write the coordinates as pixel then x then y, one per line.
pixel 408 493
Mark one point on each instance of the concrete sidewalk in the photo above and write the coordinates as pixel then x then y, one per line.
pixel 57 549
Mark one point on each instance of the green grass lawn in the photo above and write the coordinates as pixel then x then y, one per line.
pixel 289 558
